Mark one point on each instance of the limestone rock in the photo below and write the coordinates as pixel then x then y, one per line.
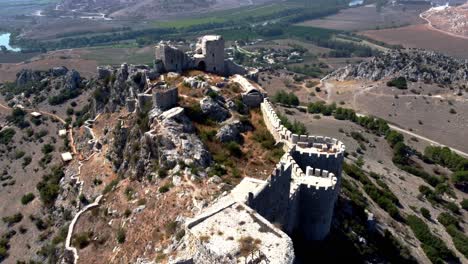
pixel 58 71
pixel 72 80
pixel 26 76
pixel 214 109
pixel 228 133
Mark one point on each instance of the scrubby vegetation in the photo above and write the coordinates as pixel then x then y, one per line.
pixel 295 127
pixel 434 247
pixel 27 198
pixel 382 196
pixel 49 186
pixel 399 82
pixel 285 98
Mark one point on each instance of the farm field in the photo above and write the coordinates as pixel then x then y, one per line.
pixel 367 17
pixel 422 37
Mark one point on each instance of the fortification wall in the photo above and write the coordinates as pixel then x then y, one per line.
pixel 213 49
pixel 145 102
pixel 273 201
pixel 330 146
pixel 315 211
pixel 173 59
pixel 165 98
pixel 232 68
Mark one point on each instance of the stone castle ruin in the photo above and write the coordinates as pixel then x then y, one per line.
pixel 298 198
pixel 207 56
pixel 254 223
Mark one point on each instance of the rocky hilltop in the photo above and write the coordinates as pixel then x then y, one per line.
pixel 414 65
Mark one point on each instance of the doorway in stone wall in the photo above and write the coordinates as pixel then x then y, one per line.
pixel 201 66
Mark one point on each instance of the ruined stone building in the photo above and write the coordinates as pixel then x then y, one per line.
pixel 299 197
pixel 208 56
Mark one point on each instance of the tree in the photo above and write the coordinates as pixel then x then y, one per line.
pixel 425 213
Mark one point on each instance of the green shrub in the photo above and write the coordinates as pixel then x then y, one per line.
pixel 234 149
pixel 399 82
pixel 460 240
pixel 285 98
pixel 47 148
pixel 6 135
pixel 121 236
pixel 27 198
pixel 425 213
pixel 82 240
pixel 165 188
pixel 434 247
pixel 110 186
pixel 464 204
pixel 19 154
pixel 447 219
pixel 13 219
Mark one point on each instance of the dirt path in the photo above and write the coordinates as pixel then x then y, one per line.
pixel 71 228
pixel 61 120
pixel 425 15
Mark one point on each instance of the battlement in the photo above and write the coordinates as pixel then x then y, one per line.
pixel 313 144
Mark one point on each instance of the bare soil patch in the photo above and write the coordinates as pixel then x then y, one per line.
pixel 367 17
pixel 423 37
pixel 72 59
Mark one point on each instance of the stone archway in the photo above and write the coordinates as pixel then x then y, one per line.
pixel 201 66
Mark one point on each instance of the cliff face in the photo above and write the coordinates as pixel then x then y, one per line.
pixel 414 65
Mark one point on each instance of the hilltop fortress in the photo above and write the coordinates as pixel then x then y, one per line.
pixel 253 223
pixel 208 56
pixel 298 198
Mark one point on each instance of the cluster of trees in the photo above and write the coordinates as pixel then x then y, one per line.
pixel 309 70
pixel 447 158
pixel 434 247
pixel 63 96
pixel 401 158
pixel 49 186
pixel 382 196
pixel 295 127
pixel 376 125
pixel 17 117
pixel 283 97
pixel 6 135
pixel 399 82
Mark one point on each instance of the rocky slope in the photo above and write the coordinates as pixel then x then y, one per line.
pixel 414 65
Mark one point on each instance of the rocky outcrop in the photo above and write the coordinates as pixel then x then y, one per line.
pixel 58 71
pixel 214 109
pixel 414 65
pixel 173 139
pixel 72 80
pixel 232 131
pixel 26 76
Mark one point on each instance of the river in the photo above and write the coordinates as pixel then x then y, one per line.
pixel 5 41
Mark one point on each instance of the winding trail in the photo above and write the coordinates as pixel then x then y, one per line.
pixel 61 120
pixel 425 16
pixel 76 177
pixel 72 226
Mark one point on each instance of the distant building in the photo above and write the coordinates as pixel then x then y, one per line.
pixel 67 156
pixel 62 132
pixel 36 114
